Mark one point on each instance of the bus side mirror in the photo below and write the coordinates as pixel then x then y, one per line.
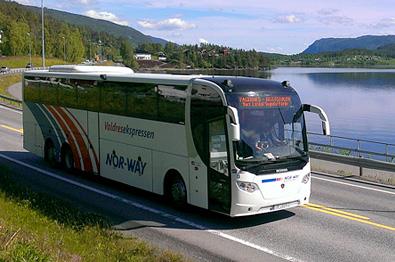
pixel 321 113
pixel 234 128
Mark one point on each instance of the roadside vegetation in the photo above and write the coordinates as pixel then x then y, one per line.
pixel 38 227
pixel 7 81
pixel 22 61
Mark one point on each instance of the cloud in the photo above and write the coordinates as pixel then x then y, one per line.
pixel 24 2
pixel 167 24
pixel 85 2
pixel 384 23
pixel 106 16
pixel 336 19
pixel 288 19
pixel 328 11
pixel 203 41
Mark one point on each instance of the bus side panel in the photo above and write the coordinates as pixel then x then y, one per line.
pixel 93 134
pixel 163 162
pixel 126 164
pixel 33 139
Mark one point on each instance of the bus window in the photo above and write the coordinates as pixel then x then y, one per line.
pixel 49 91
pixel 141 101
pixel 67 94
pixel 88 94
pixel 31 91
pixel 113 98
pixel 171 103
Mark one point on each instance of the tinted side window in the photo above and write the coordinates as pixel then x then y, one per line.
pixel 171 103
pixel 141 101
pixel 206 105
pixel 88 95
pixel 113 98
pixel 31 91
pixel 49 91
pixel 67 93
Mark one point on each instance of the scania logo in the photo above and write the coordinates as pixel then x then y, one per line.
pixel 282 186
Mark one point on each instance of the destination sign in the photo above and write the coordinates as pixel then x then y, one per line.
pixel 269 101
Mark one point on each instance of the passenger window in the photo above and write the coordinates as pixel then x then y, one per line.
pixel 141 101
pixel 67 94
pixel 88 95
pixel 171 103
pixel 31 91
pixel 113 98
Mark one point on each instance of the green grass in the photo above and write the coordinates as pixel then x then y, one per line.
pixel 21 61
pixel 7 81
pixel 38 227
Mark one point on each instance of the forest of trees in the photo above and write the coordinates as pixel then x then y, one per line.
pixel 20 28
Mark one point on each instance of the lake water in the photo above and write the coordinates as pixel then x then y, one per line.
pixel 360 103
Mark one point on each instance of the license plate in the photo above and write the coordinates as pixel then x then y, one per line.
pixel 285 205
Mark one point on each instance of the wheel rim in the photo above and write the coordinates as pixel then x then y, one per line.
pixel 68 160
pixel 178 191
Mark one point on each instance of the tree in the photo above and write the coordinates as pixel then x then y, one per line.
pixel 18 39
pixel 127 53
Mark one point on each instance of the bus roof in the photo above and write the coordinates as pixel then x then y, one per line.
pixel 111 73
pixel 125 74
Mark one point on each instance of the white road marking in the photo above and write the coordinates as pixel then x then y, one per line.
pixel 10 109
pixel 155 211
pixel 352 185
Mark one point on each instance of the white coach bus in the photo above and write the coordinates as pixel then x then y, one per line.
pixel 234 145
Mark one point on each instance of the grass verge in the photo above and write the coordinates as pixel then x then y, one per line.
pixel 38 227
pixel 21 61
pixel 5 82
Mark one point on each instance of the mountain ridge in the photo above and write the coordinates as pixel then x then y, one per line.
pixel 100 25
pixel 332 44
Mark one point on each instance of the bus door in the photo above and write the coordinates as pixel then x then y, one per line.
pixel 208 126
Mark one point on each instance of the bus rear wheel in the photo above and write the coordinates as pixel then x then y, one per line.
pixel 176 191
pixel 67 159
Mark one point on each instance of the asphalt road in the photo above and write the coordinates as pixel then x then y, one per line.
pixel 346 221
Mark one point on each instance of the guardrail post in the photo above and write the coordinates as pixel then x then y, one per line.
pixel 386 152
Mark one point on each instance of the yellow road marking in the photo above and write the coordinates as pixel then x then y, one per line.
pixel 350 218
pixel 338 211
pixel 18 130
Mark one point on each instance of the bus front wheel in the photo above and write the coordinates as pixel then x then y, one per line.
pixel 176 191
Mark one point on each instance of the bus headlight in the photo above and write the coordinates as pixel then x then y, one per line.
pixel 306 179
pixel 247 186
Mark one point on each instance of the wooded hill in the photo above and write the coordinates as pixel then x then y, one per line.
pixel 84 38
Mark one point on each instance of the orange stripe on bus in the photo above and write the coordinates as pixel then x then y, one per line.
pixel 80 140
pixel 68 136
pixel 89 141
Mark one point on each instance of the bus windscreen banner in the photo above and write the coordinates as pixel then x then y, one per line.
pixel 264 102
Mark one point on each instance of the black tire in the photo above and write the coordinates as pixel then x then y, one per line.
pixel 176 191
pixel 49 153
pixel 67 159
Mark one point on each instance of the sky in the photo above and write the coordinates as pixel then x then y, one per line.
pixel 280 26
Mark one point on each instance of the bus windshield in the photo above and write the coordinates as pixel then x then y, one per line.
pixel 271 127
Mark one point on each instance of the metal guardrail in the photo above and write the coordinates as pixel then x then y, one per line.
pixel 362 153
pixel 20 70
pixel 358 148
pixel 354 161
pixel 10 102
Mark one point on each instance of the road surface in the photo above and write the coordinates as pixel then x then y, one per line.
pixel 346 221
